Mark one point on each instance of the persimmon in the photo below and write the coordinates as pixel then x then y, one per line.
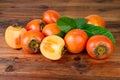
pixel 50 16
pixel 100 47
pixel 96 20
pixel 75 40
pixel 30 41
pixel 52 47
pixel 13 36
pixel 51 29
pixel 35 24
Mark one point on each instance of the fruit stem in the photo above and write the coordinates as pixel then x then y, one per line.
pixel 16 26
pixel 34 45
pixel 100 50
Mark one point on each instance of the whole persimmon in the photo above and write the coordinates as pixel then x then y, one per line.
pixel 99 47
pixel 50 16
pixel 30 41
pixel 75 40
pixel 50 29
pixel 96 20
pixel 35 24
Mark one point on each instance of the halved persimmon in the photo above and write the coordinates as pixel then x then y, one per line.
pixel 13 36
pixel 52 47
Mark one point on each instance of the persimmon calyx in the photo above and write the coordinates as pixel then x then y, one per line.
pixel 16 25
pixel 100 50
pixel 34 45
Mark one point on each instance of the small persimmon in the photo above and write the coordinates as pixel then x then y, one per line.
pixel 50 16
pixel 96 20
pixel 35 24
pixel 51 29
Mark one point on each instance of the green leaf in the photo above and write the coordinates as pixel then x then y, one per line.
pixel 66 24
pixel 97 30
pixel 80 22
pixel 61 34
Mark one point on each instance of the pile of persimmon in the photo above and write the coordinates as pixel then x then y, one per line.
pixel 54 33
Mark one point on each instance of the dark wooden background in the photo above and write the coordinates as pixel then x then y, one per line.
pixel 17 65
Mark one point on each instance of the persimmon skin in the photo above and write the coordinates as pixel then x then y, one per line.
pixel 27 37
pixel 50 16
pixel 13 36
pixel 96 42
pixel 51 29
pixel 75 40
pixel 96 20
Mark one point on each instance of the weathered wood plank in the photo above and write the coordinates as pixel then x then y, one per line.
pixel 78 8
pixel 36 66
pixel 65 1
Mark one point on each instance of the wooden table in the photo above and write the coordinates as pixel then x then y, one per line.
pixel 17 65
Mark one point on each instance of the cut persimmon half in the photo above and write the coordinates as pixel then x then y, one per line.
pixel 52 47
pixel 13 36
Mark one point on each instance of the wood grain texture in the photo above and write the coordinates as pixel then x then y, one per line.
pixel 29 9
pixel 17 65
